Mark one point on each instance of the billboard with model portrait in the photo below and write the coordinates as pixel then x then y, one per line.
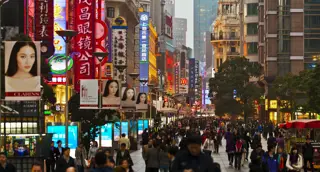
pixel 111 94
pixel 22 70
pixel 128 98
pixel 142 102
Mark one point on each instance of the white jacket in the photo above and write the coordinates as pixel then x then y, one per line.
pixel 298 166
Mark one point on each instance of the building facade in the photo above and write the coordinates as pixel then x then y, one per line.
pixel 204 13
pixel 225 38
pixel 251 29
pixel 179 32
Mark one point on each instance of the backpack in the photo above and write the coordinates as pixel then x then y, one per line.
pixel 239 145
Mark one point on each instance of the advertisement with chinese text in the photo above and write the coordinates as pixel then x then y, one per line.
pixel 144 49
pixel 22 70
pixel 111 94
pixel 89 97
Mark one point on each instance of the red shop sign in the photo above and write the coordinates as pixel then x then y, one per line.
pixel 43 20
pixel 84 41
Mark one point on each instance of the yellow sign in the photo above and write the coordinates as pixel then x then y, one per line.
pixel 266 104
pixel 273 104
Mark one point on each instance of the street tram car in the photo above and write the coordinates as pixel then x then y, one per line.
pixel 296 132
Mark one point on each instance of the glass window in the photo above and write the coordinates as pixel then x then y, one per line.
pixel 252 9
pixel 110 12
pixel 284 65
pixel 252 48
pixel 252 28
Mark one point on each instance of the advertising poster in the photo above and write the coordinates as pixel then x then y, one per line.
pixel 124 129
pixel 22 70
pixel 59 134
pixel 106 135
pixel 145 124
pixel 128 97
pixel 111 94
pixel 142 102
pixel 43 20
pixel 140 126
pixel 89 98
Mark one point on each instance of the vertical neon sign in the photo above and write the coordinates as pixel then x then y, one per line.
pixel 144 49
pixel 59 24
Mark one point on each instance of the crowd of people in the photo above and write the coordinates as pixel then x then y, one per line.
pixel 173 148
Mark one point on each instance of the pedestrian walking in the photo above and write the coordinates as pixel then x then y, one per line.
pixel 81 158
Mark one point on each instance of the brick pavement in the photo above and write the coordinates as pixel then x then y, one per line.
pixel 221 158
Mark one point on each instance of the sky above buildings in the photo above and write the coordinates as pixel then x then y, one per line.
pixel 184 9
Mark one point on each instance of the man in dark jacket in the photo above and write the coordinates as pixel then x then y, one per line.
pixel 307 151
pixel 4 165
pixel 65 161
pixel 50 161
pixel 58 151
pixel 101 160
pixel 193 158
pixel 123 153
pixel 256 155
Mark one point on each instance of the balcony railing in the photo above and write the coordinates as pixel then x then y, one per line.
pixel 231 53
pixel 224 36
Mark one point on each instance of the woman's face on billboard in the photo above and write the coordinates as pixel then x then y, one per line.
pixel 113 88
pixel 25 59
pixel 143 98
pixel 130 94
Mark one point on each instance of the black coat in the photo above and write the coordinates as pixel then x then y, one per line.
pixel 9 168
pixel 62 164
pixel 57 153
pixel 126 156
pixel 307 150
pixel 184 160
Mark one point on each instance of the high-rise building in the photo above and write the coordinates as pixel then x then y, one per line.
pixel 226 33
pixel 290 30
pixel 208 51
pixel 179 32
pixel 204 13
pixel 251 29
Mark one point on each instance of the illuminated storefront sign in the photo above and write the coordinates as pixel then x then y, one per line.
pixel 58 64
pixel 59 134
pixel 144 49
pixel 177 77
pixel 43 20
pixel 59 24
pixel 84 41
pixel 192 73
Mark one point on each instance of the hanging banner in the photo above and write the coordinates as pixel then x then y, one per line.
pixel 144 50
pixel 119 43
pixel 89 98
pixel 128 98
pixel 111 94
pixel 142 102
pixel 84 41
pixel 43 20
pixel 22 70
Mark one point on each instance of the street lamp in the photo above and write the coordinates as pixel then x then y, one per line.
pixel 134 76
pixel 150 86
pixel 66 35
pixel 100 56
pixel 121 68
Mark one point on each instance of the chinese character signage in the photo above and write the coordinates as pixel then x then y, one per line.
pixel 119 47
pixel 22 70
pixel 168 26
pixel 196 73
pixel 144 50
pixel 89 94
pixel 59 24
pixel 177 77
pixel 84 41
pixel 44 20
pixel 192 73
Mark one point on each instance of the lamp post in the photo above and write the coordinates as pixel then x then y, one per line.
pixel 67 35
pixel 150 86
pixel 121 68
pixel 100 56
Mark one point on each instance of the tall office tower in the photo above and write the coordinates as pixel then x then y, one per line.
pixel 226 33
pixel 179 32
pixel 204 13
pixel 291 34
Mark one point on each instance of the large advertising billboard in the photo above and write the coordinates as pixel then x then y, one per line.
pixel 111 94
pixel 144 50
pixel 128 98
pixel 59 24
pixel 22 70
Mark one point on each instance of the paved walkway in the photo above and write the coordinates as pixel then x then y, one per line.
pixel 221 158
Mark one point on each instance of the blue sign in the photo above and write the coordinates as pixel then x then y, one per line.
pixel 145 124
pixel 59 134
pixel 124 128
pixel 106 135
pixel 144 49
pixel 140 127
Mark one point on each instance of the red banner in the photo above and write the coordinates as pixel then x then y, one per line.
pixel 84 41
pixel 43 20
